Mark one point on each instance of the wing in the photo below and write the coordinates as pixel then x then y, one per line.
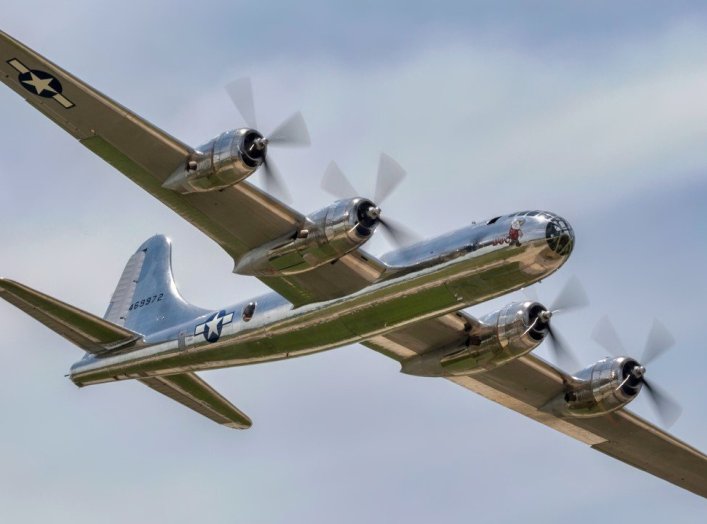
pixel 191 391
pixel 238 218
pixel 528 383
pixel 87 331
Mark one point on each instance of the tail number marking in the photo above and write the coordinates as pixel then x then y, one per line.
pixel 146 301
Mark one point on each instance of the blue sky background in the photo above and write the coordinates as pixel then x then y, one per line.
pixel 595 111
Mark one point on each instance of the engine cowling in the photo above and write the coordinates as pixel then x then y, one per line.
pixel 326 235
pixel 606 386
pixel 224 161
pixel 498 338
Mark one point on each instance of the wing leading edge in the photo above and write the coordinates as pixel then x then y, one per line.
pixel 526 384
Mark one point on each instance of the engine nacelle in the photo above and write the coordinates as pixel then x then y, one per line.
pixel 224 161
pixel 498 338
pixel 606 386
pixel 327 235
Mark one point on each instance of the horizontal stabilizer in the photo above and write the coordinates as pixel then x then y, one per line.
pixel 191 391
pixel 87 331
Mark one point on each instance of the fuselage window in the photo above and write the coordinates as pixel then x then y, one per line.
pixel 248 312
pixel 492 221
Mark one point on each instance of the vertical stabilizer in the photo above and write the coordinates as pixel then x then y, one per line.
pixel 146 299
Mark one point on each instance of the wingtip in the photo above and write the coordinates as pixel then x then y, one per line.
pixel 239 425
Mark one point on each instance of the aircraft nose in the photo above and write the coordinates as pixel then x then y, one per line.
pixel 559 235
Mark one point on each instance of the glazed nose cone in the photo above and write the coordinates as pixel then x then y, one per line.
pixel 559 235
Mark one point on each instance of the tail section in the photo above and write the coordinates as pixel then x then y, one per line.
pixel 146 299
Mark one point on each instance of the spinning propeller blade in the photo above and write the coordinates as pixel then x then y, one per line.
pixel 563 354
pixel 605 335
pixel 659 341
pixel 572 296
pixel 667 409
pixel 390 174
pixel 398 233
pixel 273 181
pixel 335 182
pixel 292 132
pixel 241 93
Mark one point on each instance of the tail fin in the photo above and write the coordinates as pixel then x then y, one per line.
pixel 146 299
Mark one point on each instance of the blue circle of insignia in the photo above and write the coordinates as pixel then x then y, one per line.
pixel 212 335
pixel 40 83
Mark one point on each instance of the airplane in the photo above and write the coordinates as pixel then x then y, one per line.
pixel 327 291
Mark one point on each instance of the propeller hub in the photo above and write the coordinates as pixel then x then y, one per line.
pixel 632 373
pixel 253 148
pixel 368 214
pixel 537 321
pixel 638 371
pixel 373 212
pixel 545 316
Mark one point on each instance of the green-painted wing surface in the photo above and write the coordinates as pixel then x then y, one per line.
pixel 87 331
pixel 191 391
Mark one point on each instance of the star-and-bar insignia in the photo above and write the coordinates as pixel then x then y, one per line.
pixel 211 329
pixel 40 83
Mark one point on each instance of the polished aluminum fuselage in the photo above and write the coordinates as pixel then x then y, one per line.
pixel 429 279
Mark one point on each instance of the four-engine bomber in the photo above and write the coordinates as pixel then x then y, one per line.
pixel 329 292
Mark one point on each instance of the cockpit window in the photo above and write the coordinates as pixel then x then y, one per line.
pixel 492 221
pixel 248 311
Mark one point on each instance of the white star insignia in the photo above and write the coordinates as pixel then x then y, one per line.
pixel 40 85
pixel 213 326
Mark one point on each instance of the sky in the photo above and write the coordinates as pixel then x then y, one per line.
pixel 596 111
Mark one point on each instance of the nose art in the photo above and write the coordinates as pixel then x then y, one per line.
pixel 559 236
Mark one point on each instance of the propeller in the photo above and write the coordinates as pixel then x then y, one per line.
pixel 659 341
pixel 390 175
pixel 571 297
pixel 561 350
pixel 290 133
